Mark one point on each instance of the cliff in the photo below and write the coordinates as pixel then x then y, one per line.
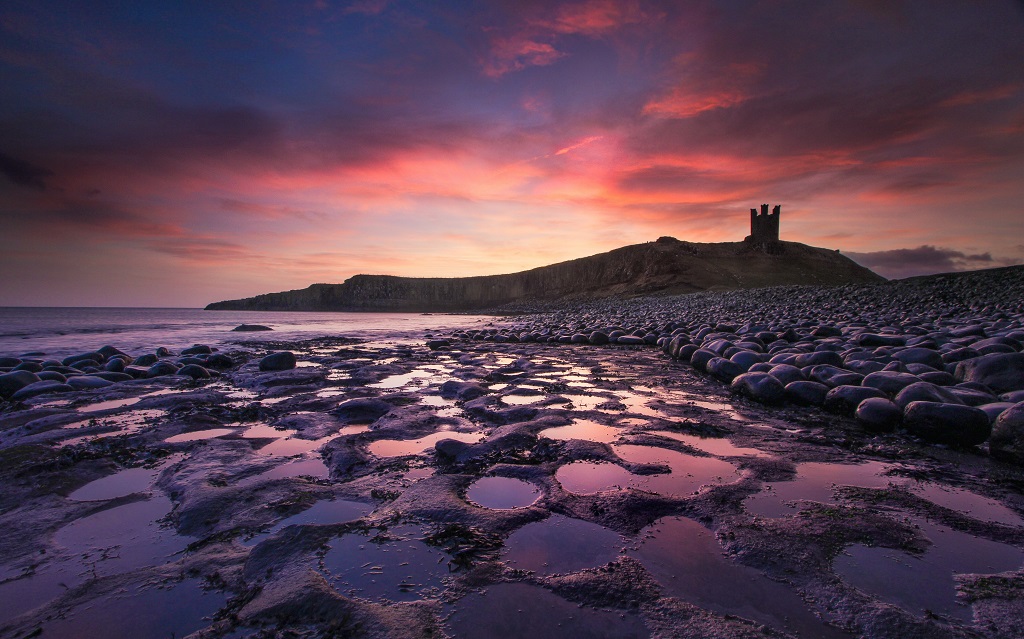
pixel 667 266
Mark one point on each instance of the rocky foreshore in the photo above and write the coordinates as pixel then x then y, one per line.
pixel 938 357
pixel 786 462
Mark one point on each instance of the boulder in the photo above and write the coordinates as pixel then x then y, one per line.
pixel 14 381
pixel 198 349
pixel 1002 372
pixel 466 391
pixel 723 369
pixel 41 388
pixel 361 410
pixel 925 356
pixel 925 392
pixel 760 387
pixel 195 371
pixel 806 393
pixel 833 376
pixel 845 399
pixel 251 328
pixel 890 382
pixel 80 382
pixel 877 414
pixel 162 368
pixel 787 373
pixel 950 424
pixel 995 409
pixel 1007 440
pixel 279 361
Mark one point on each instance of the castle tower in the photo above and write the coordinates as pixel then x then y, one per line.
pixel 764 226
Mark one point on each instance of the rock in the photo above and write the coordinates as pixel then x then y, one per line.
pixel 723 369
pixel 109 351
pixel 450 450
pixel 1002 372
pixel 631 340
pixel 32 367
pixel 113 377
pixel 598 338
pixel 845 399
pixel 686 352
pixel 995 409
pixel 972 396
pixel 251 328
pixel 218 360
pixel 833 376
pixel 700 358
pixel 924 356
pixel 874 339
pixel 279 361
pixel 925 392
pixel 93 356
pixel 437 344
pixel 163 351
pixel 787 373
pixel 14 381
pixel 361 410
pixel 43 387
pixel 114 365
pixel 806 393
pixel 162 368
pixel 145 360
pixel 466 391
pixel 1013 396
pixel 80 382
pixel 1008 434
pixel 939 378
pixel 760 387
pixel 579 338
pixel 198 349
pixel 194 371
pixel 54 376
pixel 890 382
pixel 877 414
pixel 746 359
pixel 9 362
pixel 950 424
pixel 820 358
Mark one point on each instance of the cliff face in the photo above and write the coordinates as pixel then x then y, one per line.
pixel 665 266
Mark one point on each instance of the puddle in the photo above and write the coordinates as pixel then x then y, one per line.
pixel 587 402
pixel 270 401
pixel 264 431
pixel 153 613
pixel 815 481
pixel 354 429
pixel 294 446
pixel 583 429
pixel 964 501
pixel 199 435
pixel 713 445
pixel 107 543
pixel 688 472
pixel 399 447
pixel 514 610
pixel 502 493
pixel 585 478
pixel 498 387
pixel 126 482
pixel 686 559
pixel 436 400
pixel 561 545
pixel 398 381
pixel 338 511
pixel 127 401
pixel 329 393
pixel 312 467
pixel 638 405
pixel 398 570
pixel 925 582
pixel 521 400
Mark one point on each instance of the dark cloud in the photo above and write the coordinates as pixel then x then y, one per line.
pixel 23 173
pixel 923 260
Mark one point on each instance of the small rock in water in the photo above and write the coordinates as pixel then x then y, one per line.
pixel 162 368
pixel 195 371
pixel 279 361
pixel 250 328
pixel 198 349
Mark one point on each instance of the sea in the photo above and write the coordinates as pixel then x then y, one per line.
pixel 59 332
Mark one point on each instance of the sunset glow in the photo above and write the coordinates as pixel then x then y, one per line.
pixel 153 155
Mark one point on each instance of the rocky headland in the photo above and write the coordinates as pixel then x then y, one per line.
pixel 667 266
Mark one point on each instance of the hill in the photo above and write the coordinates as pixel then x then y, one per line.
pixel 668 266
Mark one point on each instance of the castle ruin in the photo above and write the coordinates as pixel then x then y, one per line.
pixel 764 227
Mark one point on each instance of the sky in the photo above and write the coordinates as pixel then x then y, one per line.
pixel 175 154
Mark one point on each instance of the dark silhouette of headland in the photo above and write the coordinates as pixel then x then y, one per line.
pixel 667 266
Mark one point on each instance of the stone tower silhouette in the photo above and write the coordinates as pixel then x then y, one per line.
pixel 764 227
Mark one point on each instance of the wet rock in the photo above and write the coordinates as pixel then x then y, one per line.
pixel 279 361
pixel 875 339
pixel 924 356
pixel 32 367
pixel 833 376
pixel 598 338
pixel 54 376
pixel 723 369
pixel 162 368
pixel 699 359
pixel 1007 440
pixel 145 360
pixel 878 414
pixel 972 396
pixel 820 358
pixel 995 409
pixel 760 387
pixel 362 410
pixel 890 382
pixel 950 424
pixel 14 381
pixel 464 391
pixel 40 388
pixel 219 360
pixel 631 340
pixel 80 382
pixel 94 357
pixel 115 365
pixel 787 373
pixel 845 399
pixel 194 371
pixel 251 328
pixel 198 349
pixel 806 393
pixel 1002 372
pixel 9 362
pixel 925 392
pixel 437 344
pixel 746 359
pixel 111 376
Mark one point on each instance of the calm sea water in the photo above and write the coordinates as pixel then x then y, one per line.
pixel 65 331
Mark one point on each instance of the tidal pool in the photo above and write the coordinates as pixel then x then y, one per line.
pixel 586 478
pixel 560 544
pixel 266 431
pixel 516 610
pixel 502 493
pixel 919 583
pixel 126 482
pixel 338 511
pixel 400 447
pixel 686 559
pixel 713 445
pixel 396 570
pixel 156 612
pixel 688 471
pixel 405 379
pixel 583 429
pixel 198 435
pixel 816 481
pixel 966 502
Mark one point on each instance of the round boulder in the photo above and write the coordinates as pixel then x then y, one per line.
pixel 925 392
pixel 1008 434
pixel 41 388
pixel 1002 372
pixel 950 424
pixel 723 369
pixel 162 368
pixel 806 393
pixel 890 382
pixel 12 382
pixel 80 382
pixel 279 361
pixel 760 387
pixel 845 399
pixel 251 328
pixel 195 371
pixel 877 414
